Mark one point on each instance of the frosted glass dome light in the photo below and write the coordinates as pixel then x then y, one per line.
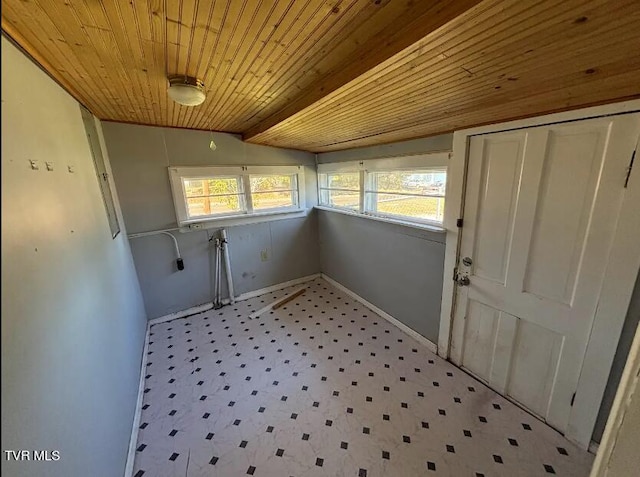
pixel 186 90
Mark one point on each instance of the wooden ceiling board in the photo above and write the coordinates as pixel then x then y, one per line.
pixel 508 51
pixel 229 82
pixel 406 71
pixel 322 75
pixel 574 70
pixel 256 57
pixel 329 49
pixel 449 123
pixel 375 46
pixel 296 68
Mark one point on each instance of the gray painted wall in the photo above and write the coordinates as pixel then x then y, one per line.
pixel 622 351
pixel 397 268
pixel 443 142
pixel 140 156
pixel 73 321
pixel 291 245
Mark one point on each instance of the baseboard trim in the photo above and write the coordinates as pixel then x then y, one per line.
pixel 431 346
pixel 194 310
pixel 133 440
pixel 182 314
pixel 279 286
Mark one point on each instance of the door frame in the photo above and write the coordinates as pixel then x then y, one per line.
pixel 629 383
pixel 619 279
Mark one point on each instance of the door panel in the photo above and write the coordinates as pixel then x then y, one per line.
pixel 536 353
pixel 540 212
pixel 497 207
pixel 480 334
pixel 489 335
pixel 566 195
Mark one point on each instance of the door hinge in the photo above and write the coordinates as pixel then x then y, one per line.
pixel 573 398
pixel 626 181
pixel 459 223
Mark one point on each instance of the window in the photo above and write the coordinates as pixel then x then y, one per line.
pixel 340 190
pixel 416 195
pixel 274 192
pixel 212 193
pixel 407 189
pixel 213 196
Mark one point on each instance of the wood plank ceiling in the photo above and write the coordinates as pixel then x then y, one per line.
pixel 327 75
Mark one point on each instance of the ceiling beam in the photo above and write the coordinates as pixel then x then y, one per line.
pixel 420 19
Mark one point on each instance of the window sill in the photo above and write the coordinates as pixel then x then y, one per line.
pixel 234 220
pixel 414 225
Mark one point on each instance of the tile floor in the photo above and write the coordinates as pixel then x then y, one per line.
pixel 325 387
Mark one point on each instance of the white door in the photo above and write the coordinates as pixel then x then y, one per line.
pixel 541 208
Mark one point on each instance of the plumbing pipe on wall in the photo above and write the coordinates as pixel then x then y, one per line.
pixel 224 246
pixel 175 243
pixel 217 303
pixel 227 265
pixel 179 261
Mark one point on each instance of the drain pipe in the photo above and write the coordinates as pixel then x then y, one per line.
pixel 227 265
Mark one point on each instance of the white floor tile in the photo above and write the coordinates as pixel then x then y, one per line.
pixel 325 387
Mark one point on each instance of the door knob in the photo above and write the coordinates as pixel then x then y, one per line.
pixel 467 261
pixel 463 281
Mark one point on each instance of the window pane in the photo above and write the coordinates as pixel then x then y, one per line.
pixel 193 188
pixel 272 200
pixel 271 182
pixel 422 208
pixel 344 180
pixel 210 186
pixel 203 206
pixel 430 182
pixel 342 199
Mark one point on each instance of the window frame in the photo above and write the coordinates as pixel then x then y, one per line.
pixel 437 161
pixel 244 174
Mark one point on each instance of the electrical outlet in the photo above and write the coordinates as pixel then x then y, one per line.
pixel 264 256
pixel 196 226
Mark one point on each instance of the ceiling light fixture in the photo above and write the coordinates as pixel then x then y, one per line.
pixel 186 90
